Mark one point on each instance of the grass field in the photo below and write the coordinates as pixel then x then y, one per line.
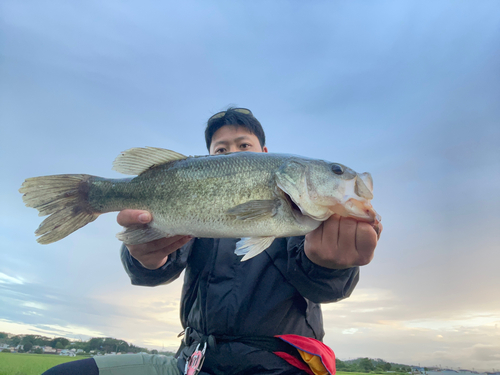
pixel 30 364
pixel 36 364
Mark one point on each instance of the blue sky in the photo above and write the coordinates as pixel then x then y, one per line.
pixel 406 90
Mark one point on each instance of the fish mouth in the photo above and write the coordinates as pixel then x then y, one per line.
pixel 361 211
pixel 353 208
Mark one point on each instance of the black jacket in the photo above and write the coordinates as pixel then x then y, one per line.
pixel 276 292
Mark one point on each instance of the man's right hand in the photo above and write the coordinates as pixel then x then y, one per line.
pixel 152 255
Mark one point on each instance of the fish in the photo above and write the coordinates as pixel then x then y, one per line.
pixel 255 197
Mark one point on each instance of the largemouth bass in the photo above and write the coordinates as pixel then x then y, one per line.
pixel 253 196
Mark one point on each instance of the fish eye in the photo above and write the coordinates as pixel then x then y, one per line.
pixel 337 169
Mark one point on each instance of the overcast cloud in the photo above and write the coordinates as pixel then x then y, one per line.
pixel 406 90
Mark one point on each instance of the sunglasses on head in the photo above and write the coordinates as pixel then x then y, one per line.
pixel 222 113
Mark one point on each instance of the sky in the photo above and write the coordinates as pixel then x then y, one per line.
pixel 406 90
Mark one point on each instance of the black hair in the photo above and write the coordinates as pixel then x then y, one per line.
pixel 236 118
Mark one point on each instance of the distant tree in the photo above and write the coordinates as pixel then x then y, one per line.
pixel 5 351
pixel 339 364
pixel 122 346
pixel 154 351
pixel 38 351
pixel 386 366
pixel 42 341
pixel 95 343
pixel 365 364
pixel 16 340
pixel 28 346
pixel 136 349
pixel 64 342
pixel 3 335
pixel 108 345
pixel 29 338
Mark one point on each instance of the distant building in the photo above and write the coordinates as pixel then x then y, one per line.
pixel 68 353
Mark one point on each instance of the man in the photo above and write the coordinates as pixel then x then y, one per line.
pixel 235 309
pixel 274 293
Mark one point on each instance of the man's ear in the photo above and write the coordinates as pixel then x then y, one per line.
pixel 264 149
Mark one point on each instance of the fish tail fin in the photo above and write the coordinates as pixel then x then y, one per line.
pixel 63 197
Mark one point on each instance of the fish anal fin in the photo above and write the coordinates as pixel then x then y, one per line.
pixel 250 247
pixel 138 234
pixel 255 209
pixel 134 161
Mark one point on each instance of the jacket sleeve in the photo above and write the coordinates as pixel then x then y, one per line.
pixel 166 274
pixel 317 284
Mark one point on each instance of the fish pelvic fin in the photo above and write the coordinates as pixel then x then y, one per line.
pixel 138 234
pixel 250 247
pixel 137 160
pixel 255 209
pixel 63 197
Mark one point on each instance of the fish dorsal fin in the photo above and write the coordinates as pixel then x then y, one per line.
pixel 136 160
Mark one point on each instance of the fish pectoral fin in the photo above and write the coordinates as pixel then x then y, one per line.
pixel 136 160
pixel 138 234
pixel 250 247
pixel 255 209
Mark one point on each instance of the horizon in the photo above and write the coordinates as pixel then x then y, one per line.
pixel 343 360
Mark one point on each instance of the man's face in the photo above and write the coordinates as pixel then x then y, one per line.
pixel 235 138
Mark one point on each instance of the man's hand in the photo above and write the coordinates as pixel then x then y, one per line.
pixel 341 242
pixel 152 255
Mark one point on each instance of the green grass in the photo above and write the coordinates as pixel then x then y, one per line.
pixel 30 364
pixel 36 364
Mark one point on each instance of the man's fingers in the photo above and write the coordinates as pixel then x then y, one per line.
pixel 331 230
pixel 154 254
pixel 127 218
pixel 181 241
pixel 153 246
pixel 378 229
pixel 347 230
pixel 366 241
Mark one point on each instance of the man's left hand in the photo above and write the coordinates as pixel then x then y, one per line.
pixel 341 242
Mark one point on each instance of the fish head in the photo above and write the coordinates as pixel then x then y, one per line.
pixel 321 189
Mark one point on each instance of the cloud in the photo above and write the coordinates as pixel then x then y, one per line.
pixel 408 92
pixel 6 279
pixel 486 353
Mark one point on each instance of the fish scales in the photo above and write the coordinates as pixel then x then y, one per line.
pixel 191 196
